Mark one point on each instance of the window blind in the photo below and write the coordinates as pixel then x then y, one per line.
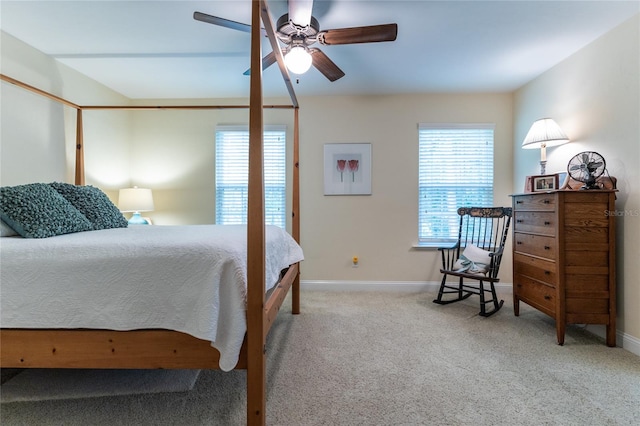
pixel 232 175
pixel 455 170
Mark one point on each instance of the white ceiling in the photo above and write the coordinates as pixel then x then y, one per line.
pixel 155 49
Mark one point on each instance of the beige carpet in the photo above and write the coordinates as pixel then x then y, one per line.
pixel 393 359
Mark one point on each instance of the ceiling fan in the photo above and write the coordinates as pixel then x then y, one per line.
pixel 298 30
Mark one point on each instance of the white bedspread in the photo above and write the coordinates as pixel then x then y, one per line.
pixel 185 278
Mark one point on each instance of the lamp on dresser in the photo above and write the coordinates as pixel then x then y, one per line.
pixel 136 200
pixel 544 133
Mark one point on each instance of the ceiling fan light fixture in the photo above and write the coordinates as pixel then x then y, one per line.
pixel 298 60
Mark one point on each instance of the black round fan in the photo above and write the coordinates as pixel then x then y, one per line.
pixel 587 167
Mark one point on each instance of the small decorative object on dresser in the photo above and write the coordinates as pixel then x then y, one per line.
pixel 544 183
pixel 564 257
pixel 587 167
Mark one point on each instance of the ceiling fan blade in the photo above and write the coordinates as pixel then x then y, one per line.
pixel 325 65
pixel 300 12
pixel 370 34
pixel 267 61
pixel 199 16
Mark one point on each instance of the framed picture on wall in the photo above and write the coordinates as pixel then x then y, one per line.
pixel 544 183
pixel 347 169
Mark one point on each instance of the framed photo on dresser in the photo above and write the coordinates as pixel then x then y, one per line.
pixel 542 183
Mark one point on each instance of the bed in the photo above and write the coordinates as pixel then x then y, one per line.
pixel 190 279
pixel 159 347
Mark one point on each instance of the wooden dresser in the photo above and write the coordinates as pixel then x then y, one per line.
pixel 564 257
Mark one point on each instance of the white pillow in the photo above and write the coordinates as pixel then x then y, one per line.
pixel 6 230
pixel 473 260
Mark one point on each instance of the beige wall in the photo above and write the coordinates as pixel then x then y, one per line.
pixel 595 97
pixel 38 134
pixel 382 228
pixel 173 152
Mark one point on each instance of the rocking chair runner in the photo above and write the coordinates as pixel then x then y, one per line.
pixel 476 256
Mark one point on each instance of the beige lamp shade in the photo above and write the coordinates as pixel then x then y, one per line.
pixel 542 134
pixel 135 200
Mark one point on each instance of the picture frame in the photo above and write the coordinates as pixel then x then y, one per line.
pixel 347 169
pixel 563 179
pixel 541 183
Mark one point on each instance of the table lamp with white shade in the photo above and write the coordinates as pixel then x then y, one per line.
pixel 544 133
pixel 136 200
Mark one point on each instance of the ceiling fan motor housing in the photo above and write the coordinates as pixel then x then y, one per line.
pixel 291 33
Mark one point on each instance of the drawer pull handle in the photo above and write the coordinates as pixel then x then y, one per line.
pixel 547 273
pixel 519 202
pixel 519 242
pixel 519 221
pixel 546 202
pixel 547 223
pixel 547 248
pixel 547 297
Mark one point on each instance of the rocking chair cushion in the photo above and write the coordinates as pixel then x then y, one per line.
pixel 473 260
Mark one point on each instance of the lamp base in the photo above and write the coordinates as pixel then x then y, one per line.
pixel 543 167
pixel 136 219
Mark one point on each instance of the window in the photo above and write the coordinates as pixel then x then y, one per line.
pixel 455 170
pixel 232 175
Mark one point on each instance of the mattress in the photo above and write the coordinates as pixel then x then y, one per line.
pixel 191 279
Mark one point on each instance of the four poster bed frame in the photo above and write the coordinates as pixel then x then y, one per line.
pixel 166 349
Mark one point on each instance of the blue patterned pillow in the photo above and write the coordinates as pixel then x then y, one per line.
pixel 93 203
pixel 36 210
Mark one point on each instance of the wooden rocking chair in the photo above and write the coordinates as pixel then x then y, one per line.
pixel 476 257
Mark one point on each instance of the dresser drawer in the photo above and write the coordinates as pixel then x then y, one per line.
pixel 535 202
pixel 538 295
pixel 536 268
pixel 536 245
pixel 543 223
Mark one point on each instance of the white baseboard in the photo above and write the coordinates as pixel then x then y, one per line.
pixel 623 340
pixel 629 343
pixel 399 286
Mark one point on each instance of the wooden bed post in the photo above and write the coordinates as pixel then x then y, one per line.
pixel 79 180
pixel 295 225
pixel 256 335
